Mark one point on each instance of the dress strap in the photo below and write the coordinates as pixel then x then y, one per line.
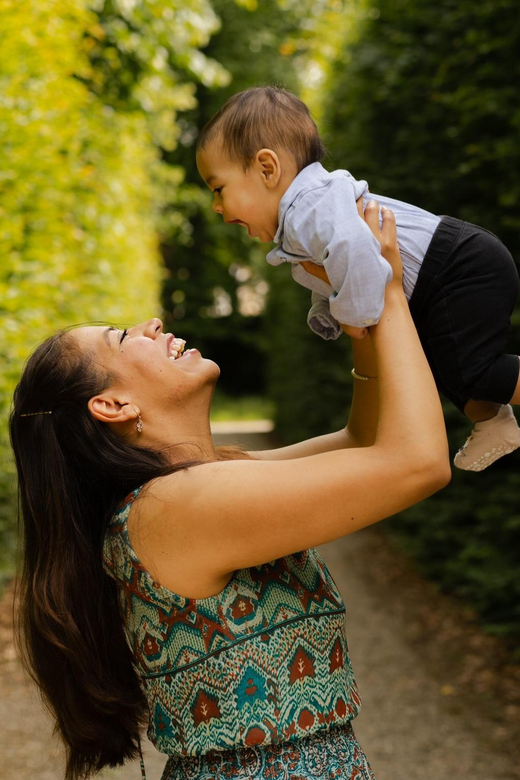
pixel 129 499
pixel 141 759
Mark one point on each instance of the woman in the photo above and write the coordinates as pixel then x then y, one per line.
pixel 231 640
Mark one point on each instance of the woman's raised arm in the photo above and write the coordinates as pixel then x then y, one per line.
pixel 196 527
pixel 362 423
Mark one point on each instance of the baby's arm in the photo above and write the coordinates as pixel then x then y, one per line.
pixel 325 225
pixel 320 273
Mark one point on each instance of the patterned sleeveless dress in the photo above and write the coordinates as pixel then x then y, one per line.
pixel 255 682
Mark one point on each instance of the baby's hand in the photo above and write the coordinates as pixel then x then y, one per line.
pixel 354 333
pixel 315 270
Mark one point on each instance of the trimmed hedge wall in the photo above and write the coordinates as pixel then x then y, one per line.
pixel 423 103
pixel 80 172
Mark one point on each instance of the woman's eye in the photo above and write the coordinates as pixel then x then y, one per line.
pixel 123 335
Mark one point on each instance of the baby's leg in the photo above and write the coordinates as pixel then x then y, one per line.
pixel 491 438
pixel 463 317
pixel 515 400
pixel 495 434
pixel 479 411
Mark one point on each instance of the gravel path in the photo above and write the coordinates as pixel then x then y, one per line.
pixel 439 700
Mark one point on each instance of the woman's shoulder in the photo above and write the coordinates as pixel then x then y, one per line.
pixel 163 532
pixel 164 493
pixel 188 486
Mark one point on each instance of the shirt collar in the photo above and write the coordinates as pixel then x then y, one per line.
pixel 306 177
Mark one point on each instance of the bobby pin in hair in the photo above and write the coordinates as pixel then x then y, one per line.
pixel 33 414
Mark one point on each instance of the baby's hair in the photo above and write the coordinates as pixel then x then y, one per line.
pixel 264 117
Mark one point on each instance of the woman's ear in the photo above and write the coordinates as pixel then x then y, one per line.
pixel 269 166
pixel 106 409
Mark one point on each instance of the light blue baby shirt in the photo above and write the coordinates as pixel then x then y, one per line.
pixel 319 221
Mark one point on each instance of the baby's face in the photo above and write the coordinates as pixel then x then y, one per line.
pixel 242 197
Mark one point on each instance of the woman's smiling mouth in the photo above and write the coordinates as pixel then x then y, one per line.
pixel 175 347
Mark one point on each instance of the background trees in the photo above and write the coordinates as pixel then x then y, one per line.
pixel 103 216
pixel 88 96
pixel 215 291
pixel 423 103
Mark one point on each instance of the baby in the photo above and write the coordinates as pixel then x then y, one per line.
pixel 260 156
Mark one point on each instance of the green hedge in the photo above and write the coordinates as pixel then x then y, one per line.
pixel 81 178
pixel 309 378
pixel 423 103
pixel 467 538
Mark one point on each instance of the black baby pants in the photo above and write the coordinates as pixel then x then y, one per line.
pixel 462 305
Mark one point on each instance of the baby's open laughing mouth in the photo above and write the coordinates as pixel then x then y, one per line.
pixel 253 233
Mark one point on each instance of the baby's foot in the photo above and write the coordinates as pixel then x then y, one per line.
pixel 489 441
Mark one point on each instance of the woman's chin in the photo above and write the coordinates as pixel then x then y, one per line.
pixel 213 369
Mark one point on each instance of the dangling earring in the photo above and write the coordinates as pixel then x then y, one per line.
pixel 139 423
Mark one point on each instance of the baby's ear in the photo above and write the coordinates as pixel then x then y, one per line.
pixel 269 167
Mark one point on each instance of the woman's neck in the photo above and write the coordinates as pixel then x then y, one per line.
pixel 180 439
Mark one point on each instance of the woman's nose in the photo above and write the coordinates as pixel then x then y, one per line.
pixel 153 328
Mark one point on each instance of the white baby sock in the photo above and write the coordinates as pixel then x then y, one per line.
pixel 489 441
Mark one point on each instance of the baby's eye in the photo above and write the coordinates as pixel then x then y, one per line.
pixel 123 335
pixel 217 191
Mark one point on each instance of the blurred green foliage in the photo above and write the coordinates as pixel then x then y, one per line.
pixel 226 408
pixel 308 378
pixel 423 102
pixel 102 210
pixel 88 92
pixel 215 291
pixel 467 538
pixel 214 294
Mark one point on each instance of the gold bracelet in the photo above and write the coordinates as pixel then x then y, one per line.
pixel 360 376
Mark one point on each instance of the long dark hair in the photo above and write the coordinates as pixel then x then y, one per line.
pixel 73 473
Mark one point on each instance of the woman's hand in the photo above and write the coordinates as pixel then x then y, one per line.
pixel 387 237
pixel 386 234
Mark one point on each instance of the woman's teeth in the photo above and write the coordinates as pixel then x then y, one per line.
pixel 176 349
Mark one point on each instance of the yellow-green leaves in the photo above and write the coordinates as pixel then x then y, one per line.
pixel 89 91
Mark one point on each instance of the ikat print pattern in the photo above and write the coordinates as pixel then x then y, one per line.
pixel 327 755
pixel 263 662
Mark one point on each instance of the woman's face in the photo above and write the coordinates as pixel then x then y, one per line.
pixel 143 363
